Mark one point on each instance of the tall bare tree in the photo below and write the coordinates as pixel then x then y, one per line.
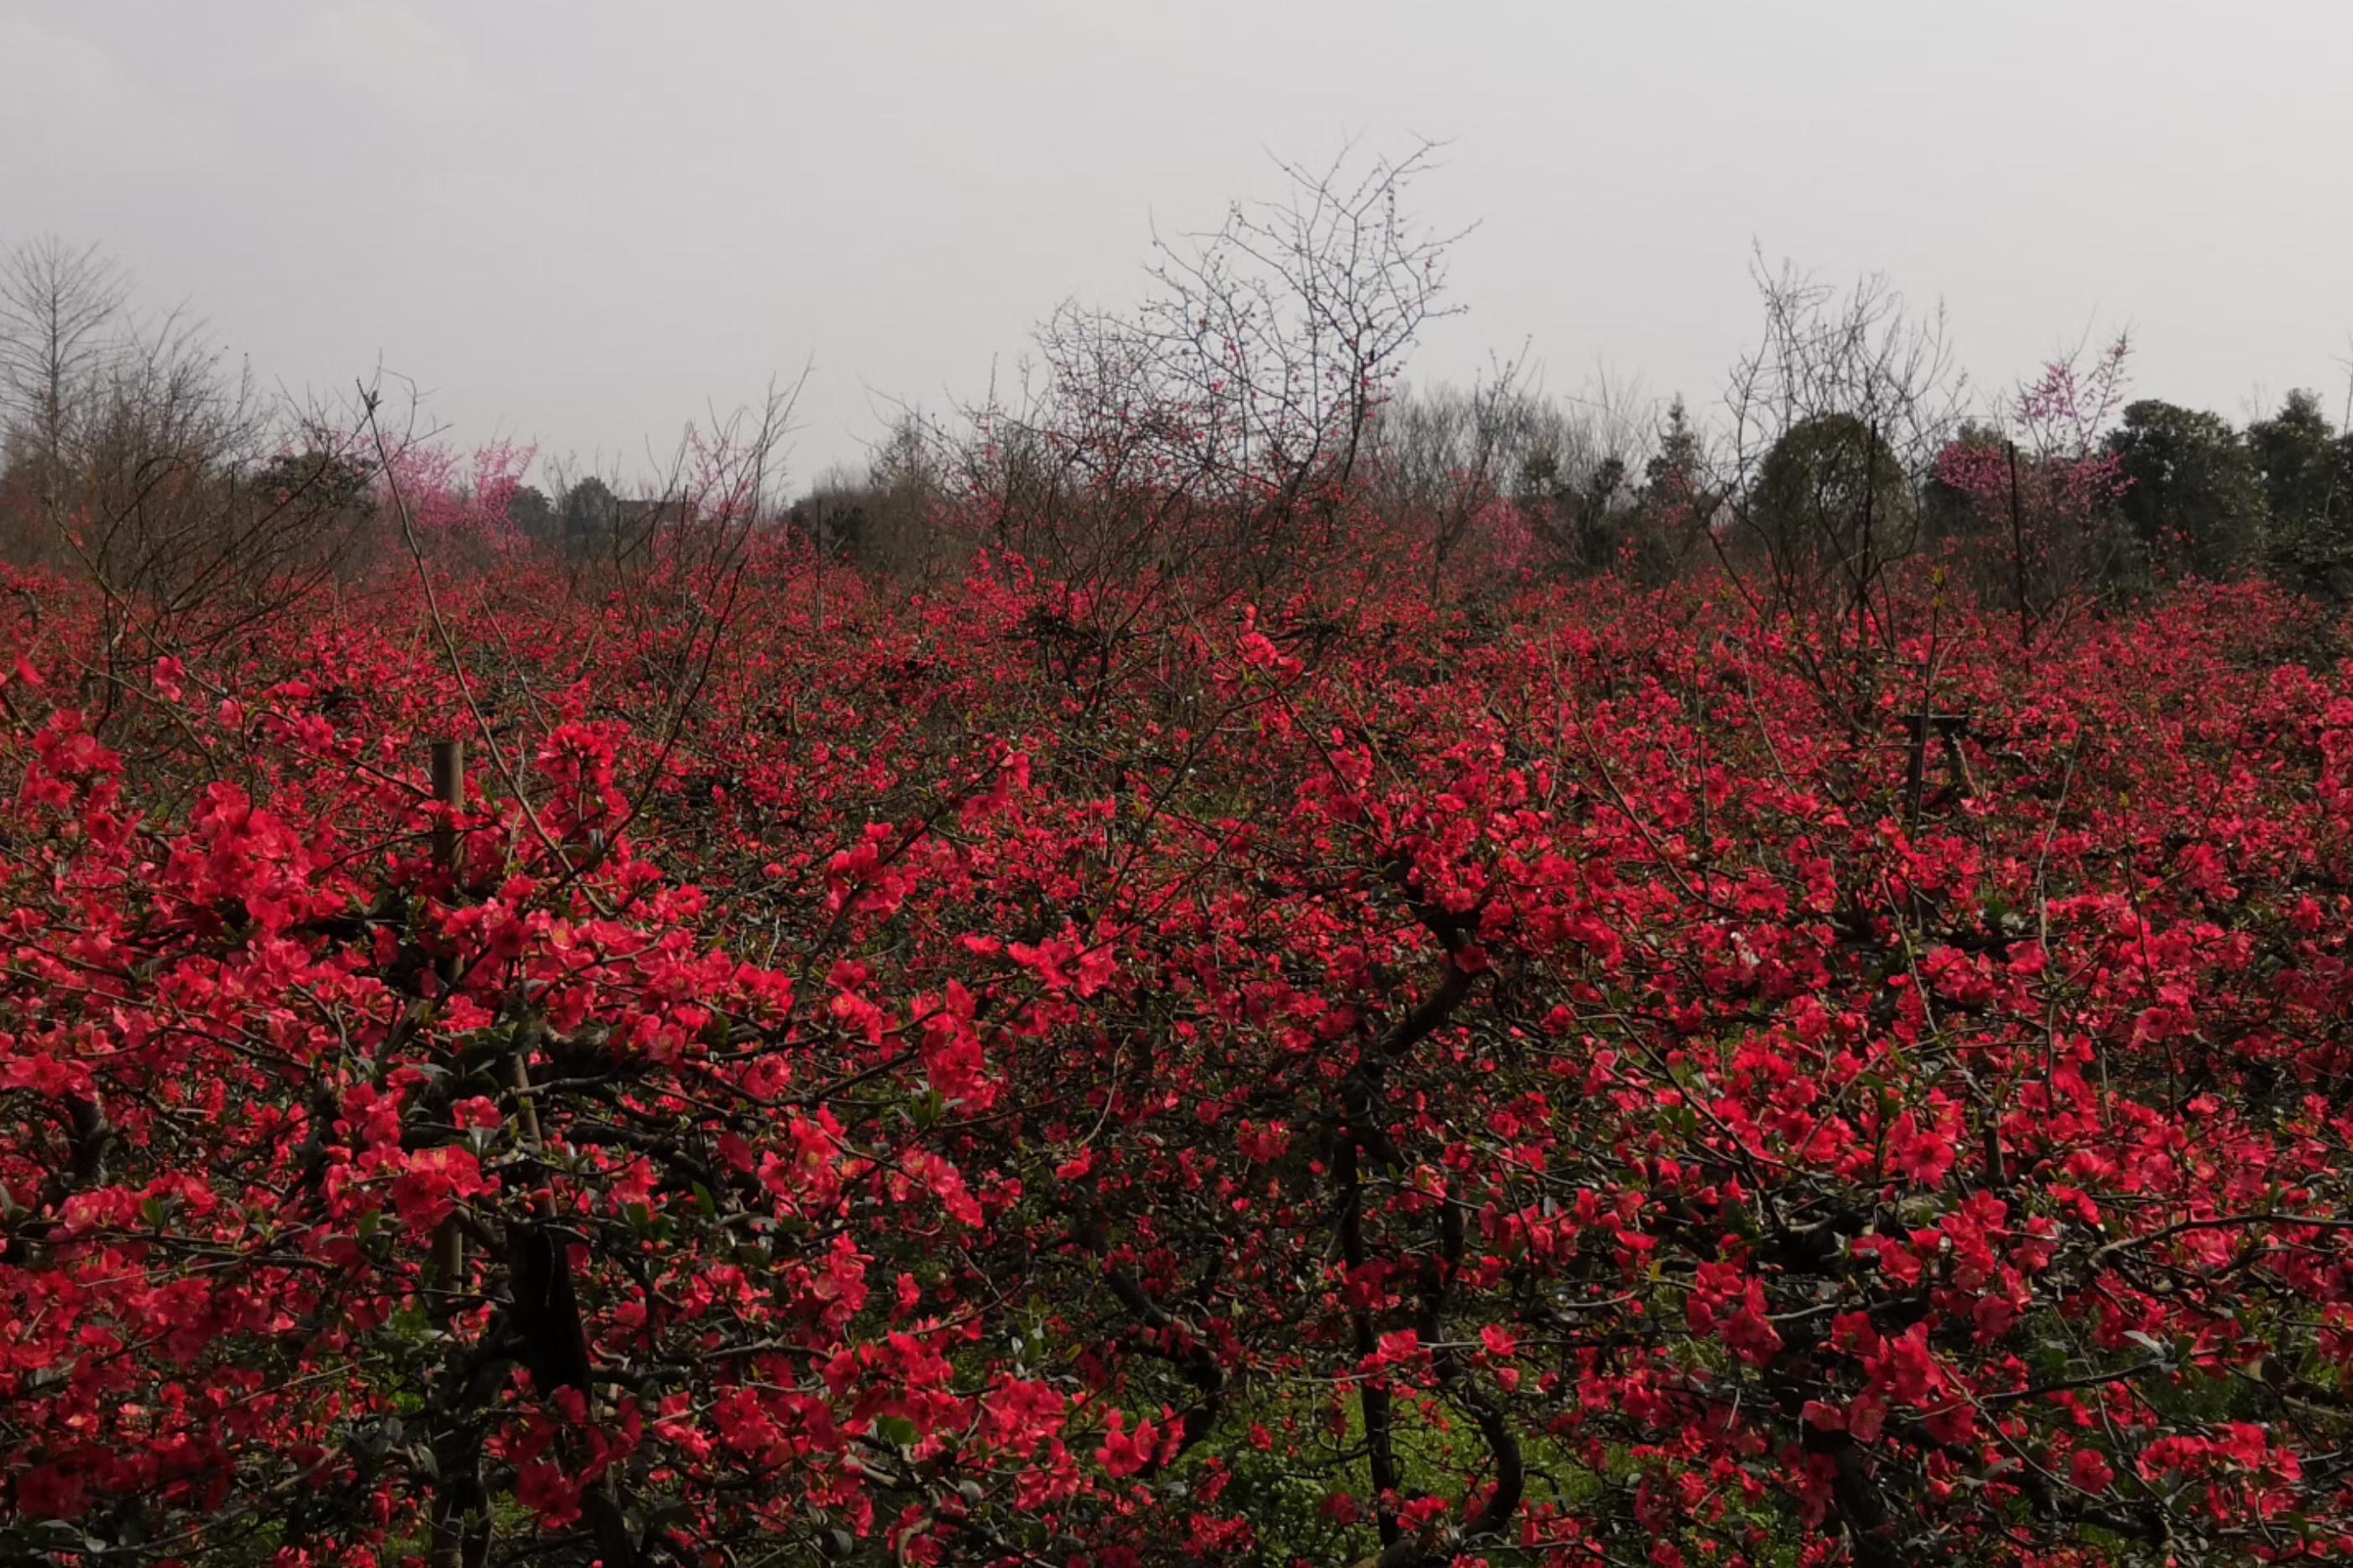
pixel 140 452
pixel 1835 419
pixel 61 330
pixel 1213 428
pixel 1444 456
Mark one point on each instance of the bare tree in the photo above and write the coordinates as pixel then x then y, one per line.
pixel 140 454
pixel 1835 420
pixel 61 330
pixel 197 507
pixel 1215 428
pixel 1447 458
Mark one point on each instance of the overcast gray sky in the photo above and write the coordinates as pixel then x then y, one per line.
pixel 579 221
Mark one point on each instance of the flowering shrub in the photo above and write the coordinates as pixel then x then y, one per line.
pixel 1324 1084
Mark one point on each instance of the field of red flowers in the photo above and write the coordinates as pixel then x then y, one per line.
pixel 1031 1076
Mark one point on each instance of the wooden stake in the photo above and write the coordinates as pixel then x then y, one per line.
pixel 449 789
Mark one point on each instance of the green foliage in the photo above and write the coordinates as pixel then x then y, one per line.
pixel 316 481
pixel 2306 468
pixel 532 513
pixel 591 516
pixel 1832 487
pixel 2195 496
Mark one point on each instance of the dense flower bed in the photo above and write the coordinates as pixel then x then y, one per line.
pixel 1038 1076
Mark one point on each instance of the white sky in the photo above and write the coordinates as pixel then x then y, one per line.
pixel 581 222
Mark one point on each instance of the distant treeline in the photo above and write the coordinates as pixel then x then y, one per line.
pixel 1247 423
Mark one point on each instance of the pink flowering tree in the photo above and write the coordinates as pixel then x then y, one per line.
pixel 2045 480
